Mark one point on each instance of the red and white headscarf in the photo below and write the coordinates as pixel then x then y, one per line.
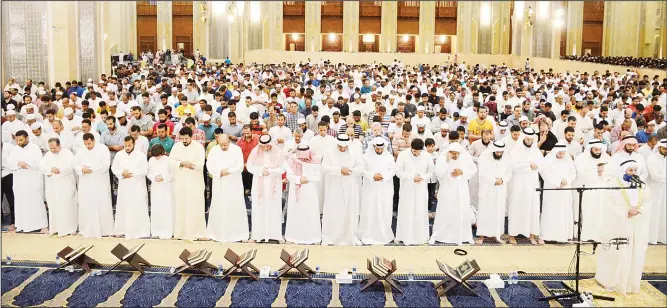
pixel 296 161
pixel 276 158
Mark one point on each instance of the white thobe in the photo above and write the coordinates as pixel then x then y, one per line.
pixel 266 212
pixel 94 194
pixel 30 212
pixel 132 204
pixel 475 149
pixel 162 197
pixel 658 223
pixel 587 175
pixel 412 220
pixel 340 218
pixel 280 132
pixel 557 217
pixel 376 205
pixel 523 207
pixel 319 145
pixel 492 197
pixel 188 188
pixel 621 270
pixel 453 217
pixel 66 140
pixel 42 141
pixel 227 218
pixel 303 214
pixel 61 193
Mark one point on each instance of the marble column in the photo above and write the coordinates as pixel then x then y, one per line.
pixel 253 25
pixel 219 30
pixel 236 34
pixel 426 27
pixel 389 24
pixel 575 27
pixel 25 41
pixel 273 34
pixel 500 26
pixel 200 26
pixel 467 27
pixel 313 20
pixel 351 26
pixel 63 54
pixel 654 27
pixel 87 39
pixel 164 25
pixel 622 28
pixel 117 24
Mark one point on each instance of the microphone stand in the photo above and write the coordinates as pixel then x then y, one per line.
pixel 575 293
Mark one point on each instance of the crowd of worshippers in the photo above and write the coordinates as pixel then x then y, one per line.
pixel 333 151
pixel 659 63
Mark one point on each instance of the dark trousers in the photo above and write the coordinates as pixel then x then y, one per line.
pixel 208 189
pixel 432 200
pixel 113 181
pixel 397 187
pixel 247 180
pixel 8 192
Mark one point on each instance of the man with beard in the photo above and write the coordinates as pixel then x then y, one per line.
pixel 453 218
pixel 479 125
pixel 267 164
pixel 627 150
pixel 657 169
pixel 228 219
pixel 86 128
pixel 163 118
pixel 187 160
pixel 24 162
pixel 376 209
pixel 60 186
pixel 94 194
pixel 66 137
pixel 442 139
pixel 626 215
pixel 495 173
pixel 414 167
pixel 592 171
pixel 303 219
pixel 131 167
pixel 574 148
pixel 38 137
pixel 341 169
pixel 476 149
pixel 320 144
pixel 558 171
pixel 421 132
pixel 524 201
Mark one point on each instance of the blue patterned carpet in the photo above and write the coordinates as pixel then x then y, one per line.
pixel 153 287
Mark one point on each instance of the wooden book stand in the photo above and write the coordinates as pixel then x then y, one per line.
pixel 132 257
pixel 456 276
pixel 297 261
pixel 241 263
pixel 201 265
pixel 376 276
pixel 77 257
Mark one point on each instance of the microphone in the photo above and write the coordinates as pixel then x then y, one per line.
pixel 595 246
pixel 638 179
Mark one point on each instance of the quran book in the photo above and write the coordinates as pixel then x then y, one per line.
pixel 201 258
pixel 74 252
pixel 133 251
pixel 378 266
pixel 81 252
pixel 452 273
pixel 387 264
pixel 465 269
pixel 247 257
pixel 196 255
pixel 302 256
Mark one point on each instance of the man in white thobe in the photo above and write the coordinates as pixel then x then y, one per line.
pixel 341 169
pixel 187 162
pixel 228 218
pixel 92 165
pixel 86 127
pixel 524 200
pixel 414 167
pixel 303 214
pixel 495 172
pixel 60 186
pixel 319 145
pixel 131 167
pixel 378 187
pixel 267 164
pixel 592 171
pixel 38 137
pixel 453 218
pixel 24 162
pixel 625 215
pixel 476 149
pixel 627 149
pixel 558 171
pixel 657 168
